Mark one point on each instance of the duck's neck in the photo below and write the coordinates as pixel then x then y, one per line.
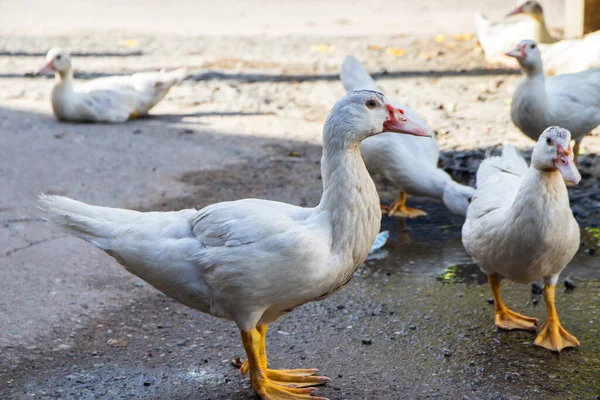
pixel 541 32
pixel 64 79
pixel 530 104
pixel 542 195
pixel 350 197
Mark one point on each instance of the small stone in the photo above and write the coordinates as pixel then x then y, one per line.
pixel 446 352
pixel 116 342
pixel 148 383
pixel 137 131
pixel 412 327
pixel 536 288
pixel 367 341
pixel 341 306
pixel 490 301
pixel 535 302
pixel 569 284
pixel 181 343
pixel 591 251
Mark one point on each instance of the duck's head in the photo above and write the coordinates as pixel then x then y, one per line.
pixel 528 55
pixel 553 152
pixel 57 60
pixel 364 113
pixel 530 8
pixel 457 197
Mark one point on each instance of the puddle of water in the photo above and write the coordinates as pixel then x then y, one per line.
pixel 463 273
pixel 432 245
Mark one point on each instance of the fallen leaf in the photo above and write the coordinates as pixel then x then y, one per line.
pixel 440 38
pixel 394 51
pixel 463 37
pixel 425 56
pixel 375 47
pixel 129 43
pixel 323 48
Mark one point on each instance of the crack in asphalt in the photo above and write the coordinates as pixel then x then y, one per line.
pixel 31 244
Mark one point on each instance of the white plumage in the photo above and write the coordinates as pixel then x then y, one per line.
pixel 408 162
pixel 520 225
pixel 251 261
pixel 111 99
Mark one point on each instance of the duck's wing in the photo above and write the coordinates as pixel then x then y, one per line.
pixel 245 221
pixel 498 181
pixel 118 98
pixel 574 101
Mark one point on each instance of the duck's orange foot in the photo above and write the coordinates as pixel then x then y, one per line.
pixel 507 319
pixel 290 378
pixel 554 337
pixel 267 390
pixel 397 209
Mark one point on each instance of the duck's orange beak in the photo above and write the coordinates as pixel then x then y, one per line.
pixel 399 123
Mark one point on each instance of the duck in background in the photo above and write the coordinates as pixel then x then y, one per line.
pixel 497 38
pixel 559 56
pixel 409 163
pixel 252 261
pixel 520 226
pixel 112 99
pixel 571 101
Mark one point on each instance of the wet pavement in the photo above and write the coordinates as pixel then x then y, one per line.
pixel 414 323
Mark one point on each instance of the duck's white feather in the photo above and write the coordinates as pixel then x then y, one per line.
pixel 519 223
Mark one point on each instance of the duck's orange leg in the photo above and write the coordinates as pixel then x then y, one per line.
pixel 276 384
pixel 505 318
pixel 398 208
pixel 553 336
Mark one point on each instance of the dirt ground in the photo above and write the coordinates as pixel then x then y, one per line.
pixel 414 323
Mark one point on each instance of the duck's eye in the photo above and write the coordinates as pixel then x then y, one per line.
pixel 532 46
pixel 371 103
pixel 549 142
pixel 470 199
pixel 58 57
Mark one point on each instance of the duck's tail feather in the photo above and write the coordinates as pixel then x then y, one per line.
pixel 509 162
pixel 355 77
pixel 97 225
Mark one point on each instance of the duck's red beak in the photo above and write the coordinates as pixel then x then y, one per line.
pixel 48 68
pixel 399 123
pixel 566 166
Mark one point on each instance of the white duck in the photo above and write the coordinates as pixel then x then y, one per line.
pixel 409 163
pixel 252 261
pixel 112 99
pixel 571 55
pixel 520 225
pixel 498 38
pixel 571 101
